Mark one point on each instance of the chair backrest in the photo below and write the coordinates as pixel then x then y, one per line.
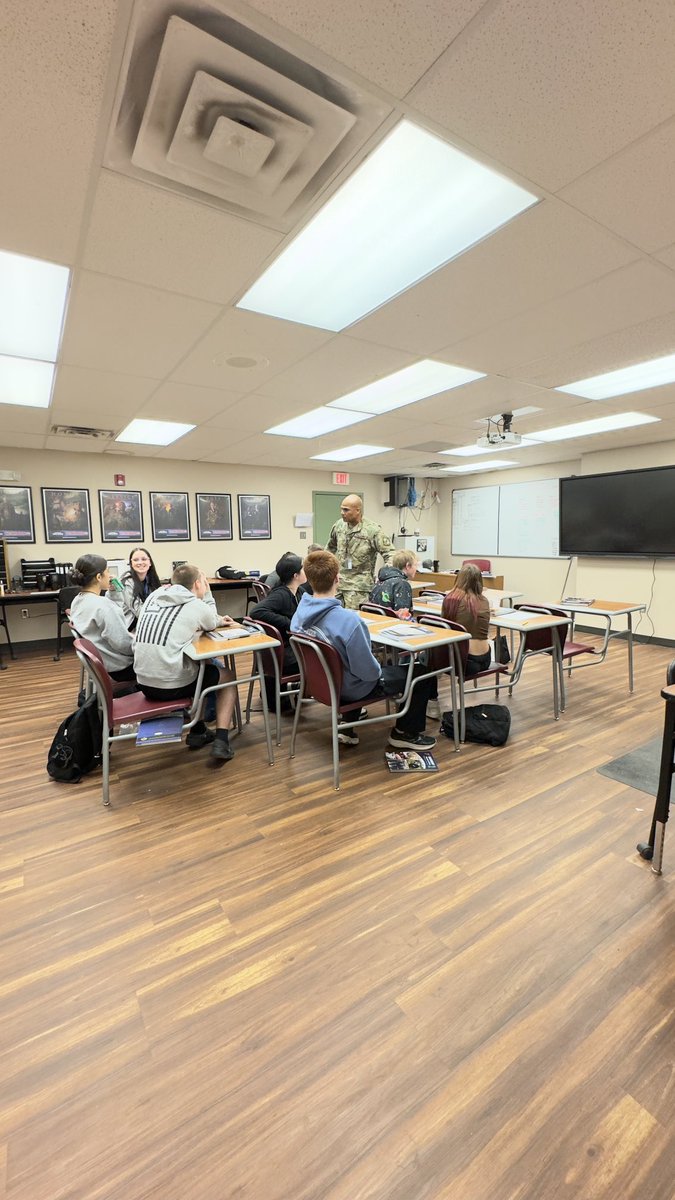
pixel 91 659
pixel 432 592
pixel 371 607
pixel 261 590
pixel 65 599
pixel 320 662
pixel 265 627
pixel 443 623
pixel 483 564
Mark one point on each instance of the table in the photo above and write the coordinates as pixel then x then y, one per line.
pixel 608 610
pixel 226 585
pixel 205 648
pixel 524 622
pixel 445 580
pixel 415 644
pixel 22 600
pixel 495 598
pixel 653 849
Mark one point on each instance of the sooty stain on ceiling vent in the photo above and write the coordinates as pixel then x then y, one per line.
pixel 210 107
pixel 81 431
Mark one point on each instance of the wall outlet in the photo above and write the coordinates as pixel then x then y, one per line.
pixel 303 535
pixel 24 613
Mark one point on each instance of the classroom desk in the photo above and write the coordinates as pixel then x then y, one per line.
pixel 608 610
pixel 428 604
pixel 445 580
pixel 228 585
pixel 205 648
pixel 21 600
pixel 523 622
pixel 416 644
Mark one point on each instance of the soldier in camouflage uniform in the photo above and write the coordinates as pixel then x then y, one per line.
pixel 356 544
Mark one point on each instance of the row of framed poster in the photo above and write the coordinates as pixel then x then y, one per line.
pixel 67 516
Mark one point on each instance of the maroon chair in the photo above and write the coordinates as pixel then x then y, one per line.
pixel 543 641
pixel 483 564
pixel 321 675
pixel 568 649
pixel 260 590
pixel 273 666
pixel 120 710
pixel 380 609
pixel 461 651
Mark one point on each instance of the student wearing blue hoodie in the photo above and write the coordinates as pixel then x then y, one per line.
pixel 321 615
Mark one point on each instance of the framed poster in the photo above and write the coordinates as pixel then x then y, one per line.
pixel 214 516
pixel 67 514
pixel 16 514
pixel 170 516
pixel 254 518
pixel 121 516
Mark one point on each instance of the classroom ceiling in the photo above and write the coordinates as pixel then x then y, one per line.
pixel 575 101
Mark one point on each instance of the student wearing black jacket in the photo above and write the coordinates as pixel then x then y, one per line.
pixel 278 609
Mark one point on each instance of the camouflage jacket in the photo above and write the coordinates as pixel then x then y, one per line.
pixel 356 548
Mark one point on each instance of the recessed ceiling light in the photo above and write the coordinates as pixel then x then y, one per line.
pixel 32 303
pixel 412 205
pixel 598 425
pixel 637 378
pixel 153 433
pixel 469 451
pixel 469 468
pixel 349 452
pixel 416 382
pixel 319 420
pixel 241 362
pixel 26 382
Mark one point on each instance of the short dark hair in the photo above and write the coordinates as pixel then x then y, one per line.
pixel 288 565
pixel 322 569
pixel 186 575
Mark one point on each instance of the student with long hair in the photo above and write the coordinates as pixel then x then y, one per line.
pixel 467 605
pixel 96 618
pixel 138 582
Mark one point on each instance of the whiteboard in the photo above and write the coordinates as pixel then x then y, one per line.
pixel 516 520
pixel 528 519
pixel 475 521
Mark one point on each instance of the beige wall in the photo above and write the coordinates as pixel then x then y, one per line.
pixel 290 492
pixel 542 579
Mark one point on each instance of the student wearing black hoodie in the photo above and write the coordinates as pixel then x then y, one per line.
pixel 393 588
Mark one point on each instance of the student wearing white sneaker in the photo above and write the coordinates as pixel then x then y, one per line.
pixel 321 615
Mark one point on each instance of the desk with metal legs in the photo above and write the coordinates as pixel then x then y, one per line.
pixel 205 648
pixel 608 610
pixel 523 622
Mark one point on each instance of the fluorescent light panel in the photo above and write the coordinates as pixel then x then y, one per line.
pixel 319 420
pixel 637 378
pixel 599 425
pixel 469 451
pixel 32 302
pixel 153 433
pixel 412 205
pixel 416 382
pixel 469 468
pixel 347 453
pixel 26 382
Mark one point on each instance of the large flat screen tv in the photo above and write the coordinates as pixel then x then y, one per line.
pixel 622 513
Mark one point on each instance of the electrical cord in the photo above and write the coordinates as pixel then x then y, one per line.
pixel 647 613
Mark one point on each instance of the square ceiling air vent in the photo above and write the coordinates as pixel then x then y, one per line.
pixel 82 431
pixel 210 107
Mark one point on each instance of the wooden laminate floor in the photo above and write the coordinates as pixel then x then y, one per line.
pixel 237 984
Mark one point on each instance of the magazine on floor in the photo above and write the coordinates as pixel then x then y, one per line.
pixel 410 760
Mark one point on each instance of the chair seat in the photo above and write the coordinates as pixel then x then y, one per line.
pixel 573 648
pixel 136 707
pixel 371 698
pixel 497 669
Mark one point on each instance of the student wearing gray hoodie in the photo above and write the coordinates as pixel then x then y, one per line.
pixel 169 620
pixel 321 615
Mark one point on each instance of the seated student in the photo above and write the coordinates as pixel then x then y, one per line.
pixel 392 588
pixel 467 605
pixel 169 620
pixel 96 618
pixel 136 585
pixel 321 615
pixel 278 608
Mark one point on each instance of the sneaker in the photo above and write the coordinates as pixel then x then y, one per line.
pixel 410 741
pixel 222 750
pixel 349 738
pixel 434 710
pixel 195 741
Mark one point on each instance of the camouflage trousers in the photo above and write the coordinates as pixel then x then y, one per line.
pixel 353 592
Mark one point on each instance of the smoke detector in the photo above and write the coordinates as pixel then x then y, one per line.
pixel 210 107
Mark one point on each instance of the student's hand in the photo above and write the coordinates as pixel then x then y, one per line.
pixel 403 614
pixel 226 622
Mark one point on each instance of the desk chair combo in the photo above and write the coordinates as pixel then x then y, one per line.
pixel 461 653
pixel 260 591
pixel 568 649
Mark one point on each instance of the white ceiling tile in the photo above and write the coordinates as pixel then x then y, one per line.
pixel 616 301
pixel 667 256
pixel 15 418
pixel 96 394
pixel 180 402
pixel 341 366
pixel 197 442
pixel 633 193
pixel 548 250
pixel 150 236
pixel 255 413
pixel 74 445
pixel 553 89
pixel 54 65
pixel 274 344
pixel 391 44
pixel 24 441
pixel 643 341
pixel 113 325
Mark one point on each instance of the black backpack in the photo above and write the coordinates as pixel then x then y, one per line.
pixel 489 724
pixel 76 748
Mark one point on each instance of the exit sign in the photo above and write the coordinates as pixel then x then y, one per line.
pixel 341 477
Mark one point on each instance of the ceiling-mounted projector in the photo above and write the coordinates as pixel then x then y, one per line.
pixel 499 433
